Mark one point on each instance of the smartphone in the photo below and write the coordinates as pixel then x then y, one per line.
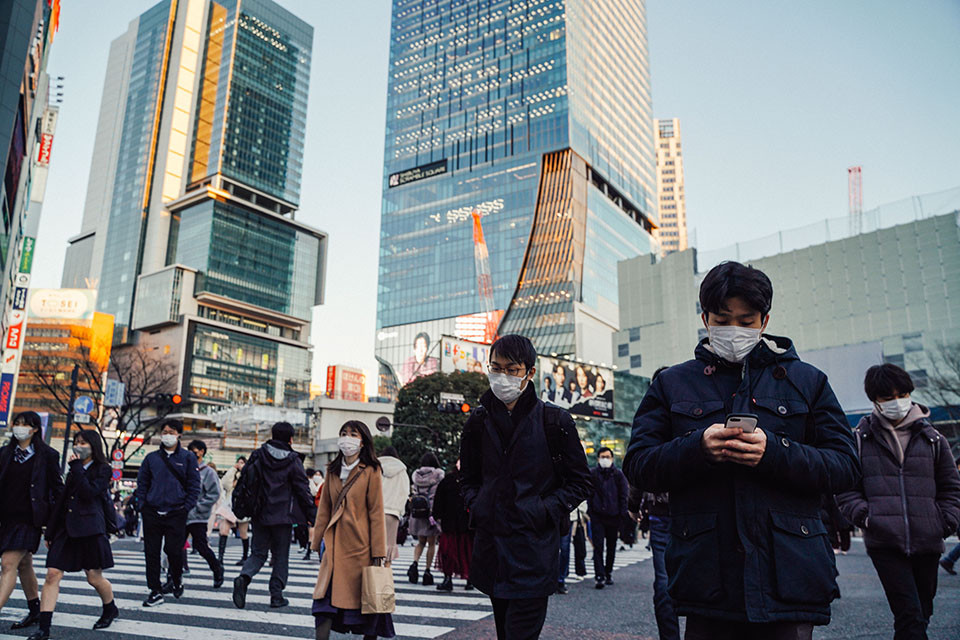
pixel 745 421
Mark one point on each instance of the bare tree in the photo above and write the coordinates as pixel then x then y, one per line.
pixel 943 381
pixel 142 371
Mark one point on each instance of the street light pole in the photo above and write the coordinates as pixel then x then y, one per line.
pixel 74 376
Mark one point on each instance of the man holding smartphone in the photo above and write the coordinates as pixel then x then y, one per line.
pixel 748 555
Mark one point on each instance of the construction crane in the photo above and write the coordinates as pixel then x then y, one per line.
pixel 481 260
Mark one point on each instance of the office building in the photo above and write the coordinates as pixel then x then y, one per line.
pixel 889 293
pixel 670 198
pixel 189 229
pixel 536 115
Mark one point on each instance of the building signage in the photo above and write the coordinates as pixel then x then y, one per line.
pixel 65 304
pixel 10 360
pixel 344 383
pixel 20 298
pixel 49 125
pixel 6 391
pixel 422 172
pixel 26 256
pixel 582 389
pixel 462 355
pixel 15 331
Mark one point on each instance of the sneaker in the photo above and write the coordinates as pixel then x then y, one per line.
pixel 153 599
pixel 562 589
pixel 427 579
pixel 948 567
pixel 277 602
pixel 239 592
pixel 413 573
pixel 600 584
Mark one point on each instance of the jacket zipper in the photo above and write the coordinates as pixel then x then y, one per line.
pixel 903 506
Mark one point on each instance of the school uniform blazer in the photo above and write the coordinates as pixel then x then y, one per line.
pixel 46 485
pixel 79 511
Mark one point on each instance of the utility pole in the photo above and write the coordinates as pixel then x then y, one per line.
pixel 66 431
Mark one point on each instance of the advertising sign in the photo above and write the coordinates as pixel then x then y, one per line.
pixel 582 389
pixel 20 299
pixel 6 390
pixel 65 304
pixel 26 256
pixel 345 383
pixel 15 331
pixel 462 355
pixel 11 360
pixel 418 173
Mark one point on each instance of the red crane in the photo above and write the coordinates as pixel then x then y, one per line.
pixel 481 260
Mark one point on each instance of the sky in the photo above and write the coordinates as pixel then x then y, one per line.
pixel 776 99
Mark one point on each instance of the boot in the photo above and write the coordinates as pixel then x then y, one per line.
pixel 427 579
pixel 306 556
pixel 413 573
pixel 110 613
pixel 446 585
pixel 46 619
pixel 246 550
pixel 223 548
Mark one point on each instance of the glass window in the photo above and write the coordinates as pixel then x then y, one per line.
pixel 634 333
pixel 636 361
pixel 623 350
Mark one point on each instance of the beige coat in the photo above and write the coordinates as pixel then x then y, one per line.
pixel 354 535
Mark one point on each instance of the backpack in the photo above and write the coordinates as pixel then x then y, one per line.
pixel 419 506
pixel 248 498
pixel 554 432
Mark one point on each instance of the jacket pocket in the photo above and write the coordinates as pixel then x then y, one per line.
pixel 693 558
pixel 804 566
pixel 784 417
pixel 691 415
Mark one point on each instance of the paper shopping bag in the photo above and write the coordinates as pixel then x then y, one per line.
pixel 377 595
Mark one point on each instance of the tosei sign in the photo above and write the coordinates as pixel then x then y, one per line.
pixel 422 172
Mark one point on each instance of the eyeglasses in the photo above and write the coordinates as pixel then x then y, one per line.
pixel 510 371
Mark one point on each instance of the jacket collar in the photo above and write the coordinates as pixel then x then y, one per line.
pixel 527 402
pixel 870 427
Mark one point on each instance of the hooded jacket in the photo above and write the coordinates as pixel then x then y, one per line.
pixel 286 491
pixel 209 494
pixel 747 543
pixel 908 506
pixel 396 486
pixel 425 482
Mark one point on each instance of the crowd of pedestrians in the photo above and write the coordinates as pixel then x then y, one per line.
pixel 741 466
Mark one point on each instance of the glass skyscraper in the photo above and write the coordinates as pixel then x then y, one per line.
pixel 537 114
pixel 189 230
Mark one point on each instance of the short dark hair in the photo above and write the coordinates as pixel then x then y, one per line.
pixel 425 336
pixel 604 450
pixel 173 423
pixel 515 348
pixel 239 458
pixel 734 280
pixel 30 418
pixel 429 459
pixel 310 471
pixel 886 380
pixel 282 431
pixel 199 445
pixel 390 451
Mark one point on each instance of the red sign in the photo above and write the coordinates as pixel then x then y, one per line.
pixel 331 380
pixel 15 335
pixel 46 143
pixel 5 387
pixel 352 385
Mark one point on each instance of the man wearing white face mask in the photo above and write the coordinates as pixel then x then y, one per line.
pixel 909 500
pixel 523 470
pixel 748 556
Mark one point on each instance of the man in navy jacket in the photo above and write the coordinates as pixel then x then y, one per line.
pixel 168 486
pixel 748 555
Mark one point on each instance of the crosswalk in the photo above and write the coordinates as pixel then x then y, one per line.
pixel 204 613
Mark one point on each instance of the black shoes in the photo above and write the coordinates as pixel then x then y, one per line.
pixel 609 581
pixel 562 589
pixel 240 585
pixel 29 620
pixel 153 599
pixel 469 586
pixel 172 588
pixel 413 573
pixel 239 563
pixel 107 618
pixel 218 577
pixel 39 635
pixel 947 566
pixel 600 583
pixel 277 602
pixel 427 579
pixel 446 585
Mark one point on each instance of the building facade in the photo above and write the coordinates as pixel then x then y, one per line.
pixel 891 294
pixel 189 230
pixel 671 200
pixel 536 114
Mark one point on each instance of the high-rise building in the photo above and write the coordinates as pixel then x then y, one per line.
pixel 536 114
pixel 189 230
pixel 670 198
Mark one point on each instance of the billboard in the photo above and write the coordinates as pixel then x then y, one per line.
pixel 582 389
pixel 346 383
pixel 64 304
pixel 462 355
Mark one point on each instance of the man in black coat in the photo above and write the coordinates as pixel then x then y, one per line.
pixel 286 501
pixel 523 471
pixel 607 508
pixel 748 555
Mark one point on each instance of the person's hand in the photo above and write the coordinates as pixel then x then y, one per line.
pixel 747 448
pixel 715 439
pixel 379 561
pixel 72 458
pixel 433 522
pixel 633 516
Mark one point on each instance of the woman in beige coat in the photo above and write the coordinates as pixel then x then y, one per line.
pixel 353 528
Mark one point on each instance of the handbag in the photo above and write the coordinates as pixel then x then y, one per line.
pixel 376 592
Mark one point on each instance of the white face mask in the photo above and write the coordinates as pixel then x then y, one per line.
pixel 168 440
pixel 506 387
pixel 605 463
pixel 349 446
pixel 896 409
pixel 22 433
pixel 733 344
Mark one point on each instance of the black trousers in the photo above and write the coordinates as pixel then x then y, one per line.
pixel 198 533
pixel 168 532
pixel 604 533
pixel 910 583
pixel 699 628
pixel 520 619
pixel 275 540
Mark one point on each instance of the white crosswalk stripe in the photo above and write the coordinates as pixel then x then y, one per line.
pixel 204 613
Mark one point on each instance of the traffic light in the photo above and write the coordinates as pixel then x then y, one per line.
pixel 168 402
pixel 448 406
